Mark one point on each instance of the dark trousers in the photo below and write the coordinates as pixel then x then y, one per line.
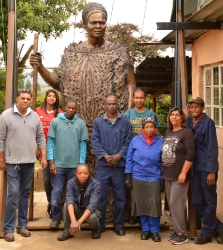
pixel 115 177
pixel 63 175
pixel 93 219
pixel 204 199
pixel 47 182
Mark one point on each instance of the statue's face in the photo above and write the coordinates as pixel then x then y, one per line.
pixel 96 25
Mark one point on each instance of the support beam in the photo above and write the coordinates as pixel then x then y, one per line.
pixel 11 78
pixel 162 43
pixel 3 187
pixel 35 76
pixel 189 26
pixel 155 78
pixel 154 105
pixel 160 92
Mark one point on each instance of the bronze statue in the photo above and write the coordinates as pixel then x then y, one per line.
pixel 91 70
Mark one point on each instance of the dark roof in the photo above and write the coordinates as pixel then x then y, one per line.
pixel 209 12
pixel 155 74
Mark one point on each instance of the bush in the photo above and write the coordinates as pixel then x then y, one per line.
pixel 163 105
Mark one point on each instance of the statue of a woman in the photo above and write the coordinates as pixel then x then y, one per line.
pixel 92 70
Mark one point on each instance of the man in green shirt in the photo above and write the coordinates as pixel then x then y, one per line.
pixel 136 114
pixel 66 148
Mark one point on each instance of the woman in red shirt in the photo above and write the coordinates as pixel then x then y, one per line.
pixel 47 112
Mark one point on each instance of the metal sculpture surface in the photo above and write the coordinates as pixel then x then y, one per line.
pixel 90 71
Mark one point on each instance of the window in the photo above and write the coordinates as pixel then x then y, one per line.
pixel 213 93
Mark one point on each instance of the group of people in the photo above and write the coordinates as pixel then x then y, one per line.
pixel 130 153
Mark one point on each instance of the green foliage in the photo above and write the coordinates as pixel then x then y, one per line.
pixel 49 17
pixel 129 35
pixel 163 105
pixel 28 85
pixel 2 90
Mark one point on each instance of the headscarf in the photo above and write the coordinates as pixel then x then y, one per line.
pixel 93 8
pixel 148 119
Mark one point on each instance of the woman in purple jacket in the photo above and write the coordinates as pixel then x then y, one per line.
pixel 143 175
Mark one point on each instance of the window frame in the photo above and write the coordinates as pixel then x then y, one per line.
pixel 214 104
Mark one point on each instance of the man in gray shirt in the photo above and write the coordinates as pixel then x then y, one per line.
pixel 20 130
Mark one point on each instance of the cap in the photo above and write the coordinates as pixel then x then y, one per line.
pixel 197 100
pixel 148 119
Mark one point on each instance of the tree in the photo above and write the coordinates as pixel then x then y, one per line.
pixel 2 90
pixel 28 85
pixel 129 35
pixel 49 17
pixel 162 110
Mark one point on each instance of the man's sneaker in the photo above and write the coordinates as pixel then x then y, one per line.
pixel 172 237
pixel 24 232
pixel 96 233
pixel 9 237
pixel 202 239
pixel 55 223
pixel 220 236
pixel 64 236
pixel 180 239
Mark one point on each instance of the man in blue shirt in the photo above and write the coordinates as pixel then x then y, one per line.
pixel 111 137
pixel 66 148
pixel 205 172
pixel 83 193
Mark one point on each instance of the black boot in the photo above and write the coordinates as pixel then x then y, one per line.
pixel 96 233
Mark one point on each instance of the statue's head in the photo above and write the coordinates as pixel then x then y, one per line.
pixel 92 8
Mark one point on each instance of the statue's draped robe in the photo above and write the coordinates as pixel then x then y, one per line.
pixel 88 76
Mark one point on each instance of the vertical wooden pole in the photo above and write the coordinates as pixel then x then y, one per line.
pixel 182 57
pixel 35 76
pixel 10 56
pixel 3 185
pixel 9 98
pixel 154 105
pixel 191 214
pixel 35 73
pixel 184 96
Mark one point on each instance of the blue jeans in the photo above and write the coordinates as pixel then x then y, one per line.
pixel 47 182
pixel 63 175
pixel 93 219
pixel 19 182
pixel 114 177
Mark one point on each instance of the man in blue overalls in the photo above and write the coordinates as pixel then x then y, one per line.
pixel 205 172
pixel 111 137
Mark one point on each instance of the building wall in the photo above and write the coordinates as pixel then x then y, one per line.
pixel 207 50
